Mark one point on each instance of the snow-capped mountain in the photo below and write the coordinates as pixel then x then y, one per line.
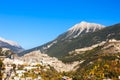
pixel 9 42
pixel 15 47
pixel 82 28
pixel 77 30
pixel 66 38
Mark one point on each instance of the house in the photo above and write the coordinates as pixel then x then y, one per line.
pixel 20 72
pixel 118 77
pixel 2 57
pixel 22 79
pixel 8 68
pixel 66 78
pixel 107 79
pixel 28 78
pixel 16 78
pixel 29 68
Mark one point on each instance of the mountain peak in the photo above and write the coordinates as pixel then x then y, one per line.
pixel 84 24
pixel 15 47
pixel 83 27
pixel 9 42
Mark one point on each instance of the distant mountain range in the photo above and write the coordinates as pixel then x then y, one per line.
pixel 79 36
pixel 13 46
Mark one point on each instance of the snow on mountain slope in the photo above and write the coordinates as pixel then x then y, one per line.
pixel 15 47
pixel 9 42
pixel 83 27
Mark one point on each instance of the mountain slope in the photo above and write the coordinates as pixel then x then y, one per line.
pixel 79 29
pixel 96 63
pixel 85 40
pixel 107 47
pixel 60 46
pixel 82 28
pixel 99 68
pixel 15 47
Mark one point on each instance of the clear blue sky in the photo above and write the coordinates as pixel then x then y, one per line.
pixel 34 22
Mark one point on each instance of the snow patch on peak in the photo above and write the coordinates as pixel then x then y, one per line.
pixel 10 42
pixel 83 27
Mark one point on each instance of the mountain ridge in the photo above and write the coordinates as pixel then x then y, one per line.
pixel 66 37
pixel 80 27
pixel 61 47
pixel 13 46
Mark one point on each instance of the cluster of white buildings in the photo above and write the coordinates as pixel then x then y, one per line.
pixel 29 62
pixel 11 73
pixel 36 57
